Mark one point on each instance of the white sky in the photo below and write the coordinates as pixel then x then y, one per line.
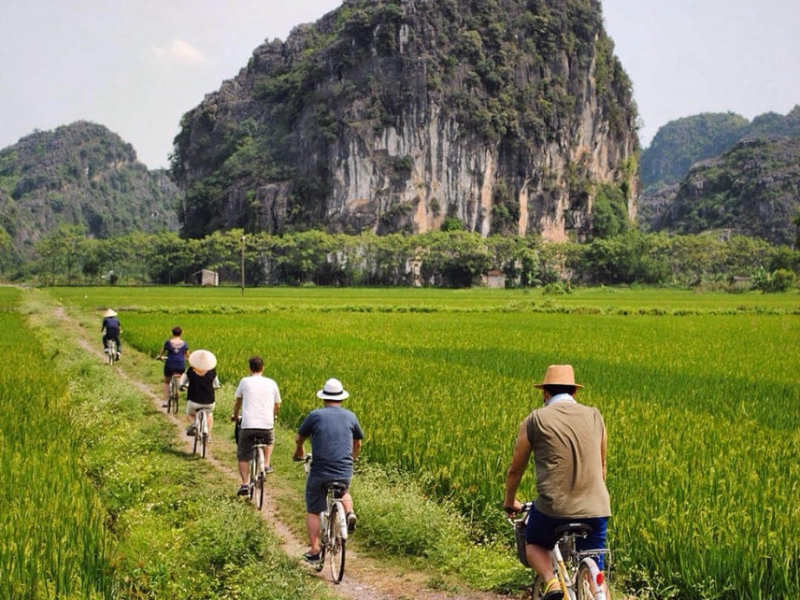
pixel 136 66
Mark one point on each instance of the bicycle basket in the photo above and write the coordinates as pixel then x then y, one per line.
pixel 519 536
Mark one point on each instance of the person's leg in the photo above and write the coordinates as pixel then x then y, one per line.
pixel 166 389
pixel 314 527
pixel 540 539
pixel 268 455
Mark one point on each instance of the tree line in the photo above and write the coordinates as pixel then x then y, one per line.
pixel 67 256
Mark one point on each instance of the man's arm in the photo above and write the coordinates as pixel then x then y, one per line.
pixel 237 406
pixel 519 462
pixel 356 449
pixel 299 440
pixel 603 450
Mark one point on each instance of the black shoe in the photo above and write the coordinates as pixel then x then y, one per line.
pixel 313 559
pixel 244 490
pixel 554 595
pixel 351 522
pixel 191 430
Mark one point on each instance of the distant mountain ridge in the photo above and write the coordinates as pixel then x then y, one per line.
pixel 81 174
pixel 719 171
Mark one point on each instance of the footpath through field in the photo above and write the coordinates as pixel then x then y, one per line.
pixel 365 578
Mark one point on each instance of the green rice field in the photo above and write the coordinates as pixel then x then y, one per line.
pixel 701 396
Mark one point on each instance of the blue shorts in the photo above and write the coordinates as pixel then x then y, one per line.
pixel 317 495
pixel 541 532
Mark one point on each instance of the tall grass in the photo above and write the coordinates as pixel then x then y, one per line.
pixel 54 543
pixel 701 403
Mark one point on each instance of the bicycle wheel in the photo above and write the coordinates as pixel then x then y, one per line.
pixel 338 544
pixel 537 589
pixel 587 584
pixel 174 386
pixel 111 350
pixel 259 491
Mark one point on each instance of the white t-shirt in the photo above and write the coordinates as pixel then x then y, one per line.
pixel 259 396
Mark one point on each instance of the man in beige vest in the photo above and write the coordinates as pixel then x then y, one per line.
pixel 568 444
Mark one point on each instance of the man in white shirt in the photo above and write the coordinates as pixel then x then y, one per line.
pixel 259 399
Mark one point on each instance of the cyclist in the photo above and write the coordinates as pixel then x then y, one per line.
pixel 111 329
pixel 201 379
pixel 568 444
pixel 176 351
pixel 335 444
pixel 259 399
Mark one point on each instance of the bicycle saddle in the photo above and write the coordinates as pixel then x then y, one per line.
pixel 338 488
pixel 578 528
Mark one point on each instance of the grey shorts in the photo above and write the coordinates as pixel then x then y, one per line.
pixel 247 439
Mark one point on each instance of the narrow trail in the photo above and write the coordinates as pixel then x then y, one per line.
pixel 365 578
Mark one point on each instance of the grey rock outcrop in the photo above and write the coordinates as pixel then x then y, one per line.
pixel 393 116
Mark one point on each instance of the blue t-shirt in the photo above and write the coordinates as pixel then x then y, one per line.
pixel 332 430
pixel 176 357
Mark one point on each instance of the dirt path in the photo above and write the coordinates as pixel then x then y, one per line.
pixel 365 578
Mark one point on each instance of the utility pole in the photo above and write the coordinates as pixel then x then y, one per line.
pixel 242 264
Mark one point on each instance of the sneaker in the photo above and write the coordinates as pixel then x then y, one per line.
pixel 165 404
pixel 191 429
pixel 244 490
pixel 314 560
pixel 351 522
pixel 269 470
pixel 553 590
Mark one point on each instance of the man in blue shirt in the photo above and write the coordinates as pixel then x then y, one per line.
pixel 335 444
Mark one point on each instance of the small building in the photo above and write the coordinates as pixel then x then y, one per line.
pixel 495 279
pixel 206 277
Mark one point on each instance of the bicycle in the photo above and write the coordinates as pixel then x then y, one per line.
pixel 174 392
pixel 200 431
pixel 258 471
pixel 578 575
pixel 112 352
pixel 333 535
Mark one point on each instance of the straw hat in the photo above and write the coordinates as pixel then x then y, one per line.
pixel 109 313
pixel 558 375
pixel 333 390
pixel 202 360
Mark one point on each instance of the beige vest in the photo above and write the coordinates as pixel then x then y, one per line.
pixel 566 439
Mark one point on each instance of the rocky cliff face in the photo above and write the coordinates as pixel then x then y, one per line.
pixel 395 115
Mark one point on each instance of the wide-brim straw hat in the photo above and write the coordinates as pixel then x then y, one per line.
pixel 109 313
pixel 333 390
pixel 202 360
pixel 559 375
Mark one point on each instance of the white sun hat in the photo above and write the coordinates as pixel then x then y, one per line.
pixel 109 313
pixel 202 360
pixel 333 390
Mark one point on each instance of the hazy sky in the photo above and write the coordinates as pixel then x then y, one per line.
pixel 136 66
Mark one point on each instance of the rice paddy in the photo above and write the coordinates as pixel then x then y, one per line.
pixel 700 393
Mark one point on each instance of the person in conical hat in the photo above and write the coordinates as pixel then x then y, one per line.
pixel 201 379
pixel 111 328
pixel 567 441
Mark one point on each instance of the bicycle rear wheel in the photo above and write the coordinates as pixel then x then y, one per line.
pixel 338 545
pixel 589 588
pixel 111 350
pixel 259 491
pixel 174 390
